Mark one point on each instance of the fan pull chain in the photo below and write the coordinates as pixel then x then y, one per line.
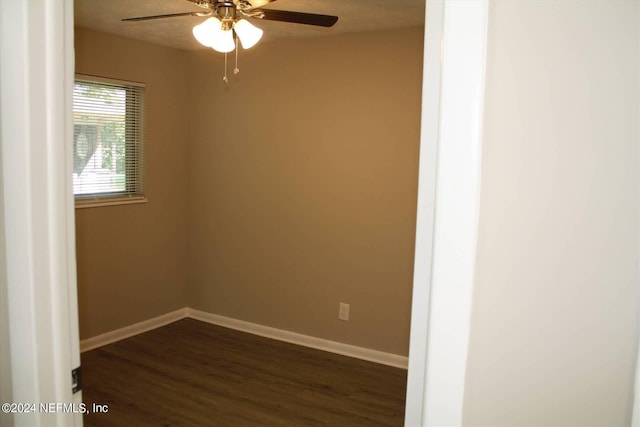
pixel 225 79
pixel 236 70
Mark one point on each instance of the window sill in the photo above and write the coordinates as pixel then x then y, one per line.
pixel 99 202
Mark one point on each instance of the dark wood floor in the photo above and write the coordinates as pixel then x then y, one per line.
pixel 191 373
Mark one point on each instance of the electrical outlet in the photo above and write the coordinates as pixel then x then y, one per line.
pixel 344 311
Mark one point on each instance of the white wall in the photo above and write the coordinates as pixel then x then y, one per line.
pixel 555 299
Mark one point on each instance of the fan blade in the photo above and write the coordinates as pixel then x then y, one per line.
pixel 299 17
pixel 171 15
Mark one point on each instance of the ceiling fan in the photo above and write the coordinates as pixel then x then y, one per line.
pixel 227 23
pixel 250 9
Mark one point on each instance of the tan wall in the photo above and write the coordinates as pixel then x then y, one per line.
pixel 302 185
pixel 303 181
pixel 554 324
pixel 132 259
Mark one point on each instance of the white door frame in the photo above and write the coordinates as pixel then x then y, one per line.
pixel 635 409
pixel 36 125
pixel 448 209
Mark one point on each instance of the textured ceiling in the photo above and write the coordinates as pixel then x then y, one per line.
pixel 354 16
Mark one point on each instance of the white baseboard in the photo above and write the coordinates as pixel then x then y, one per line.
pixel 303 340
pixel 131 330
pixel 252 328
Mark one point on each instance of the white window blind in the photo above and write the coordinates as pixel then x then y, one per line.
pixel 108 139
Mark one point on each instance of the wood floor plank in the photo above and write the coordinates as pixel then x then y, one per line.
pixel 191 373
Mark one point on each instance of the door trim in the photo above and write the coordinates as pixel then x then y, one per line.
pixel 448 210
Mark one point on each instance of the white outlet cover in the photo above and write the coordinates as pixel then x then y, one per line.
pixel 344 311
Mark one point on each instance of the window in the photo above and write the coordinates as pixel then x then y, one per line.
pixel 108 141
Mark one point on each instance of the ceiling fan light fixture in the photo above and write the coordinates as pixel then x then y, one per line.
pixel 206 32
pixel 210 34
pixel 248 33
pixel 223 42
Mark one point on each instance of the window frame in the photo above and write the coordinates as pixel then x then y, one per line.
pixel 128 197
